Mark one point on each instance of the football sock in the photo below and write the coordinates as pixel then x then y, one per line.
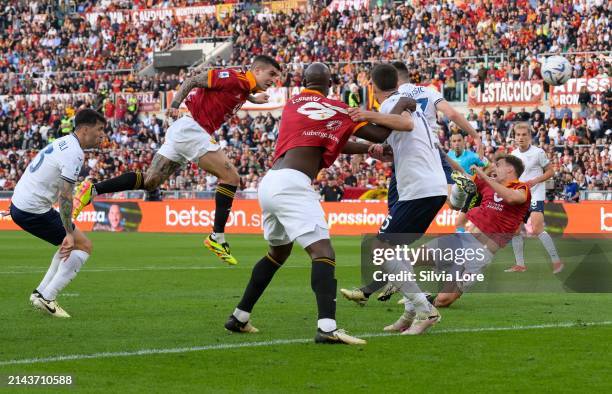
pixel 224 198
pixel 517 246
pixel 409 307
pixel 50 272
pixel 327 325
pixel 324 285
pixel 548 243
pixel 408 288
pixel 66 271
pixel 261 276
pixel 458 197
pixel 218 237
pixel 372 287
pixel 127 181
pixel 241 315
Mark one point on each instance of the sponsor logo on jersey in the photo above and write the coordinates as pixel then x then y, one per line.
pixel 224 74
pixel 333 125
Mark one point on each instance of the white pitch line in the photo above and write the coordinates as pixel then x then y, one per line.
pixel 147 352
pixel 169 268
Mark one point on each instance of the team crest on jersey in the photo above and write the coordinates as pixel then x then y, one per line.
pixel 212 140
pixel 224 74
pixel 333 125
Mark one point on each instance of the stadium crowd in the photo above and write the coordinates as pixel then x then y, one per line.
pixel 444 44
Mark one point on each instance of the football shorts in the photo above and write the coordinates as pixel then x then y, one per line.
pixel 187 141
pixel 47 226
pixel 291 209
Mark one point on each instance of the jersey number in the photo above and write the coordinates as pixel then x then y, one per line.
pixel 320 111
pixel 422 102
pixel 36 166
pixel 424 121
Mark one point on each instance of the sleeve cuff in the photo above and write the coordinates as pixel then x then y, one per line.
pixel 358 126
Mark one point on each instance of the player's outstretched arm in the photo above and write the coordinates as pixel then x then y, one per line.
pixel 355 148
pixel 373 133
pixel 401 122
pixel 65 210
pixel 511 196
pixel 196 81
pixel 452 114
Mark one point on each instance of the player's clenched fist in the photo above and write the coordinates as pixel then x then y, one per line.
pixel 382 152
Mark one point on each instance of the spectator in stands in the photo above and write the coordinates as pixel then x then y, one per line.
pixel 571 189
pixel 331 191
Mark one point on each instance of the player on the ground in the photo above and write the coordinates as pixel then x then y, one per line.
pixel 314 130
pixel 491 225
pixel 212 98
pixel 50 177
pixel 537 171
pixel 422 191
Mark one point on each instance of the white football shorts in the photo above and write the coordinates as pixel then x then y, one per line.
pixel 187 141
pixel 291 209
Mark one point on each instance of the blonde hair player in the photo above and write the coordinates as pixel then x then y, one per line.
pixel 537 171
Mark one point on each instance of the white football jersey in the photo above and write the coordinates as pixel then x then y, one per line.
pixel 427 99
pixel 38 188
pixel 535 161
pixel 418 167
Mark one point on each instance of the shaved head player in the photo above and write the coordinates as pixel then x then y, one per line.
pixel 314 130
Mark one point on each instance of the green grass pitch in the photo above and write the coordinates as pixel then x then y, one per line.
pixel 167 297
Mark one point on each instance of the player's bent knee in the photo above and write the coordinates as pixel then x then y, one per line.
pixel 281 253
pixel 84 244
pixel 230 177
pixel 321 248
pixel 151 183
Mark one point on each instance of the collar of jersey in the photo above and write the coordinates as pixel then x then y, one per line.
pixel 251 79
pixel 312 91
pixel 512 182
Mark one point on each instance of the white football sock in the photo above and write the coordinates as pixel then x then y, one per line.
pixel 219 237
pixel 326 325
pixel 457 197
pixel 50 272
pixel 241 315
pixel 409 307
pixel 66 271
pixel 548 243
pixel 517 246
pixel 409 289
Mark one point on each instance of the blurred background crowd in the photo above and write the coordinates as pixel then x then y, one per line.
pixel 50 47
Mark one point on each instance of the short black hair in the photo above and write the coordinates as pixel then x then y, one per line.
pixel 401 68
pixel 514 161
pixel 268 60
pixel 88 117
pixel 384 77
